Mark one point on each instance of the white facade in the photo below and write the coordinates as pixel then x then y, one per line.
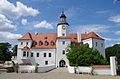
pixel 96 44
pixel 55 56
pixel 42 58
pixel 61 47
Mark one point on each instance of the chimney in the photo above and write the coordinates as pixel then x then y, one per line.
pixel 78 37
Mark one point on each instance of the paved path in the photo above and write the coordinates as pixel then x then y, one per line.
pixel 60 73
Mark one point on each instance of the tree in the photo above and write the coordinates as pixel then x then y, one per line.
pixel 82 55
pixel 5 53
pixel 14 53
pixel 113 51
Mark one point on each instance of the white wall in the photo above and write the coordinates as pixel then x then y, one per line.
pixel 26 68
pixel 99 47
pixel 41 59
pixel 102 71
pixel 59 48
pixel 87 69
pixel 92 44
pixel 89 41
pixel 24 43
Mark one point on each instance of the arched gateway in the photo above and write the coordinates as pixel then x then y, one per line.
pixel 62 63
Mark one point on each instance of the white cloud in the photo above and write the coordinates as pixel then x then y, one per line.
pixel 115 1
pixel 44 24
pixel 15 11
pixel 111 39
pixel 117 32
pixel 115 19
pixel 6 24
pixel 24 21
pixel 92 27
pixel 8 35
pixel 103 11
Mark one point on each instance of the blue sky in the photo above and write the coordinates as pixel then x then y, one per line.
pixel 20 16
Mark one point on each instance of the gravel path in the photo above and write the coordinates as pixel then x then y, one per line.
pixel 54 74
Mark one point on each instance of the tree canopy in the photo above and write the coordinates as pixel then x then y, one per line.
pixel 82 55
pixel 5 53
pixel 113 51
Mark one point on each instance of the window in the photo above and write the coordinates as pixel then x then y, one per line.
pixel 21 43
pixel 63 52
pixel 46 62
pixel 96 44
pixel 44 54
pixel 46 43
pixel 31 54
pixel 49 54
pixel 101 44
pixel 24 54
pixel 51 43
pixel 63 42
pixel 27 54
pixel 34 43
pixel 40 43
pixel 45 37
pixel 37 54
pixel 26 43
pixel 63 34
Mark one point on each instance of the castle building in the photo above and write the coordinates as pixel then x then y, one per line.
pixel 50 49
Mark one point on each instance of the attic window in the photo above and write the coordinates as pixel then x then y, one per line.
pixel 45 43
pixel 51 43
pixel 40 43
pixel 45 37
pixel 34 43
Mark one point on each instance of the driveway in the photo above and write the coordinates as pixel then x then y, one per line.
pixel 59 73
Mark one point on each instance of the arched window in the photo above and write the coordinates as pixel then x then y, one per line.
pixel 34 43
pixel 46 43
pixel 45 37
pixel 40 43
pixel 52 43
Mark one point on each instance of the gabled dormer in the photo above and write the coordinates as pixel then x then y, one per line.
pixel 25 40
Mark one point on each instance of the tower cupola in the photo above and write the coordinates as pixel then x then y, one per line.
pixel 62 18
pixel 62 26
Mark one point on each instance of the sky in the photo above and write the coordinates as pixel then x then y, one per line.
pixel 18 17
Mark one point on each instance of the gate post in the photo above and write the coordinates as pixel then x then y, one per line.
pixel 113 65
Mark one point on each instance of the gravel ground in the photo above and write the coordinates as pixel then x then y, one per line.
pixel 55 74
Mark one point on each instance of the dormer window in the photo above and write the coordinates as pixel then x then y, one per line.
pixel 45 43
pixel 51 43
pixel 45 37
pixel 40 43
pixel 34 43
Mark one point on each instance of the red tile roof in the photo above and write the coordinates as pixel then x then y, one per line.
pixel 52 37
pixel 27 36
pixel 44 37
pixel 90 35
pixel 101 66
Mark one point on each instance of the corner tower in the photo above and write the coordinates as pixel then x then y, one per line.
pixel 62 26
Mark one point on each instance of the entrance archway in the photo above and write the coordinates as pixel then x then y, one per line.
pixel 62 63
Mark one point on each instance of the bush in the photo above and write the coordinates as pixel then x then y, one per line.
pixel 82 55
